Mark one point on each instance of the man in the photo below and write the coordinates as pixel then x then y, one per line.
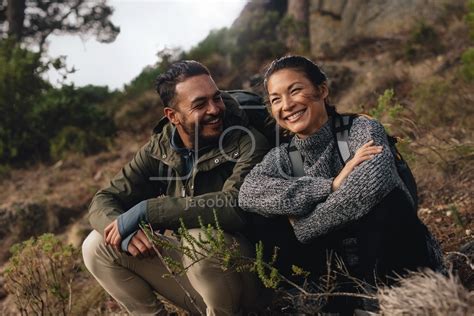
pixel 206 147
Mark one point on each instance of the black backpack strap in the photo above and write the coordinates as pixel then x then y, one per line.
pixel 296 159
pixel 164 174
pixel 341 127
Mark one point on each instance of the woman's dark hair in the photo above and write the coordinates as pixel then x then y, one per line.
pixel 301 64
pixel 165 83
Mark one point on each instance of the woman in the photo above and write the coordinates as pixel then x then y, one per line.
pixel 361 210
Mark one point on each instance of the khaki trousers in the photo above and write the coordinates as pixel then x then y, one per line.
pixel 132 281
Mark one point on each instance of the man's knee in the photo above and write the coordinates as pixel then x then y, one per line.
pixel 91 250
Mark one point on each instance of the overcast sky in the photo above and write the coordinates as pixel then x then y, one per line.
pixel 146 27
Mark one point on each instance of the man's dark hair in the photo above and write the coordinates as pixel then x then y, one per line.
pixel 165 83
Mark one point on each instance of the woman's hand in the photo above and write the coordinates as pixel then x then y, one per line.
pixel 112 235
pixel 366 152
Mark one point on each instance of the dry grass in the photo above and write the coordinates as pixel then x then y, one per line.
pixel 427 293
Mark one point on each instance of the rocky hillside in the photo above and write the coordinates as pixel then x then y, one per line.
pixel 402 61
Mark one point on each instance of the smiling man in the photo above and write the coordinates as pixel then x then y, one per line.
pixel 193 165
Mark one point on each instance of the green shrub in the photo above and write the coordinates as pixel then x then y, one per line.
pixel 140 113
pixel 424 41
pixel 467 67
pixel 433 106
pixel 70 106
pixel 145 81
pixel 217 42
pixel 40 275
pixel 288 27
pixel 392 114
pixel 32 113
pixel 470 17
pixel 72 139
pixel 387 110
pixel 21 86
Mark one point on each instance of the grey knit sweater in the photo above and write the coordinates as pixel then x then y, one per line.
pixel 269 191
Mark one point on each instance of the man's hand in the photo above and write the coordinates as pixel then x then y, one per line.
pixel 366 152
pixel 112 235
pixel 140 245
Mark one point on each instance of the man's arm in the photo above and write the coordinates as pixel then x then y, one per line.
pixel 129 187
pixel 166 211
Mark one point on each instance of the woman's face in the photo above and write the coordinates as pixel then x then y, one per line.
pixel 295 103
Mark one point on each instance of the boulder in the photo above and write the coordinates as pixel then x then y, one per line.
pixel 335 23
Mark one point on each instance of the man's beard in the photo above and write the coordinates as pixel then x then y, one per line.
pixel 202 140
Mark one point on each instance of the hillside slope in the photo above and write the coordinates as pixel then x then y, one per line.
pixel 421 63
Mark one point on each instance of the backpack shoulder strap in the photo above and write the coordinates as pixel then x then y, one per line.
pixel 296 159
pixel 342 126
pixel 164 174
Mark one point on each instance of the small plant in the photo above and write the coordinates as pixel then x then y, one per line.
pixel 308 297
pixel 424 41
pixel 390 113
pixel 470 17
pixel 467 61
pixel 40 275
pixel 72 139
pixel 387 107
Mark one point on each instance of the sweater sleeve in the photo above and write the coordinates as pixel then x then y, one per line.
pixel 364 188
pixel 268 190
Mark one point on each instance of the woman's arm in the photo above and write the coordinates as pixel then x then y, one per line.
pixel 364 187
pixel 268 192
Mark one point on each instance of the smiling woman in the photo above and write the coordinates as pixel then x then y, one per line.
pixel 296 103
pixel 355 208
pixel 146 28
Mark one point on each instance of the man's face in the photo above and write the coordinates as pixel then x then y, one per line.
pixel 198 109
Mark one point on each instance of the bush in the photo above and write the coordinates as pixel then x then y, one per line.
pixel 72 139
pixel 467 61
pixel 439 102
pixel 40 276
pixel 32 113
pixel 424 42
pixel 217 42
pixel 470 17
pixel 139 114
pixel 21 86
pixel 146 79
pixel 387 109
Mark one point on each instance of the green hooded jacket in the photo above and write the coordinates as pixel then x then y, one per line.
pixel 213 185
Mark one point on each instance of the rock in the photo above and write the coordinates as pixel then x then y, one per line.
pixel 98 175
pixel 334 23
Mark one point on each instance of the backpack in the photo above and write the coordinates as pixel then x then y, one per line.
pixel 256 111
pixel 341 126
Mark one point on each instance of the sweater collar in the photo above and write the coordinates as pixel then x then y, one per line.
pixel 317 142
